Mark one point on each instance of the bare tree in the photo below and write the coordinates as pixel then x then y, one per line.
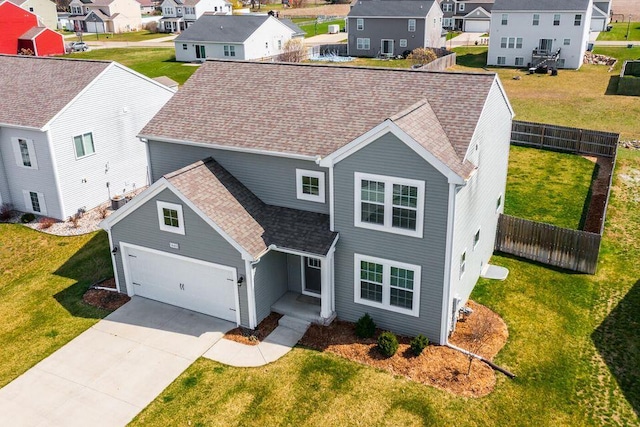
pixel 293 51
pixel 480 333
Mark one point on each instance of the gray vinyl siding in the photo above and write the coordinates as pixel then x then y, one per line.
pixel 294 273
pixel 200 241
pixel 114 108
pixel 389 156
pixel 5 196
pixel 271 178
pixel 270 282
pixel 476 202
pixel 377 29
pixel 41 180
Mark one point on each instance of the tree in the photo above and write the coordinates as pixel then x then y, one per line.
pixel 293 51
pixel 480 333
pixel 422 56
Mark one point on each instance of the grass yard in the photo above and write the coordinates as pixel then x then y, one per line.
pixel 548 187
pixel 152 62
pixel 134 36
pixel 43 280
pixel 619 31
pixel 321 28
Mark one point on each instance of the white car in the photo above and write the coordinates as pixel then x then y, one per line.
pixel 77 47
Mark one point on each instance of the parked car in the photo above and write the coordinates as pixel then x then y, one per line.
pixel 77 47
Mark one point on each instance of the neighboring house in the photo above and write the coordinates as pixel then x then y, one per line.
pixel 178 15
pixel 21 29
pixel 392 27
pixel 105 16
pixel 68 139
pixel 601 16
pixel 45 9
pixel 243 37
pixel 534 32
pixel 389 209
pixel 467 15
pixel 147 7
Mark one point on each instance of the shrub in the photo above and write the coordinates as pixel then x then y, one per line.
pixel 46 223
pixel 152 27
pixel 365 327
pixel 388 343
pixel 6 211
pixel 418 344
pixel 28 217
pixel 293 51
pixel 422 56
pixel 75 219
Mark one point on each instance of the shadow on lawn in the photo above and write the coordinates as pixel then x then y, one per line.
pixel 473 60
pixel 612 87
pixel 618 342
pixel 90 264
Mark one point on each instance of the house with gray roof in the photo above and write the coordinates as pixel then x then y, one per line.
pixel 539 32
pixel 242 37
pixel 393 27
pixel 105 16
pixel 178 15
pixel 389 210
pixel 467 15
pixel 69 142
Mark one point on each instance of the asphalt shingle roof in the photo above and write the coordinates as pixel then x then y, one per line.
pixel 223 28
pixel 541 5
pixel 250 222
pixel 34 89
pixel 313 110
pixel 397 8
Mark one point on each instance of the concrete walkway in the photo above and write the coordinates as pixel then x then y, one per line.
pixel 326 39
pixel 109 373
pixel 466 39
pixel 277 344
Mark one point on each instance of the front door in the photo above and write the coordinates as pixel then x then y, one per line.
pixel 312 276
pixel 200 53
pixel 387 47
pixel 545 45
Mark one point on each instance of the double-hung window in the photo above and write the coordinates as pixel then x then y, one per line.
pixel 386 284
pixel 536 19
pixel 25 153
pixel 505 19
pixel 363 44
pixel 577 20
pixel 411 25
pixel 229 50
pixel 170 217
pixel 310 185
pixel 84 145
pixel 384 203
pixel 360 24
pixel 556 19
pixel 34 202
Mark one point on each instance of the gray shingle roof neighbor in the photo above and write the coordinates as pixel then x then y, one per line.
pixel 396 8
pixel 289 23
pixel 541 5
pixel 250 222
pixel 313 110
pixel 223 28
pixel 34 89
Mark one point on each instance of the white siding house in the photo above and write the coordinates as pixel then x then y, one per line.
pixel 70 142
pixel 178 15
pixel 525 32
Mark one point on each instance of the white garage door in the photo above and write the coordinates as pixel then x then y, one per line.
pixel 183 282
pixel 476 26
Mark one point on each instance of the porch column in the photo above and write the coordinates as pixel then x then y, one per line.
pixel 326 295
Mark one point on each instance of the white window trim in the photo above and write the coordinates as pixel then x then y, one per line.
pixel 566 42
pixel 386 287
pixel 310 197
pixel 176 207
pixel 475 244
pixel 403 42
pixel 29 206
pixel 358 22
pixel 461 7
pixel 18 153
pixel 410 26
pixel 82 136
pixel 504 60
pixel 361 45
pixel 388 204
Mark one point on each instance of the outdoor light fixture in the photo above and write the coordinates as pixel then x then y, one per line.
pixel 114 250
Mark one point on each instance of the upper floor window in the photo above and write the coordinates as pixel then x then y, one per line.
pixel 394 205
pixel 84 145
pixel 310 185
pixel 463 262
pixel 168 11
pixel 25 153
pixel 411 25
pixel 447 7
pixel 229 50
pixel 76 10
pixel 556 19
pixel 189 10
pixel 505 19
pixel 461 7
pixel 577 20
pixel 360 24
pixel 476 239
pixel 536 19
pixel 567 42
pixel 170 217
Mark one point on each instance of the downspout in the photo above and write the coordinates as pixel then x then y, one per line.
pixel 444 329
pixel 482 359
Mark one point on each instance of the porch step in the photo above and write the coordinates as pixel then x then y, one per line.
pixel 294 323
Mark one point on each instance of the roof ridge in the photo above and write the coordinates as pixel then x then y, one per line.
pixel 410 109
pixel 188 168
pixel 55 58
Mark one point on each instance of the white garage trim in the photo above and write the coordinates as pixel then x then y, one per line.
pixel 127 274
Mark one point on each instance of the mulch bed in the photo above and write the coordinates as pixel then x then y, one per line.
pixel 438 366
pixel 254 337
pixel 105 299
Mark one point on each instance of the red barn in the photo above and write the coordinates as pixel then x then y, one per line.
pixel 20 29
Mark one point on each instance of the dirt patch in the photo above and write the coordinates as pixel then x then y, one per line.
pixel 106 300
pixel 254 337
pixel 325 10
pixel 437 366
pixel 626 7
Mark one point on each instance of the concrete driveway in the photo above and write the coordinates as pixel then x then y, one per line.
pixel 109 373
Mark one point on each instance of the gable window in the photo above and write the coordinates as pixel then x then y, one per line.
pixel 577 20
pixel 168 11
pixel 556 19
pixel 184 46
pixel 411 25
pixel 363 44
pixel 519 61
pixel 463 262
pixel 384 203
pixel 229 50
pixel 25 153
pixel 502 60
pixel 386 284
pixel 34 202
pixel 461 7
pixel 567 42
pixel 310 185
pixel 447 7
pixel 505 19
pixel 476 239
pixel 170 217
pixel 536 19
pixel 360 24
pixel 403 42
pixel 84 145
pixel 76 10
pixel 279 44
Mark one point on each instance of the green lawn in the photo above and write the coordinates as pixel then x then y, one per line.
pixel 152 62
pixel 134 36
pixel 548 187
pixel 452 34
pixel 321 28
pixel 43 280
pixel 619 32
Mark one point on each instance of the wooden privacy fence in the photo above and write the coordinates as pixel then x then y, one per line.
pixel 561 247
pixel 561 138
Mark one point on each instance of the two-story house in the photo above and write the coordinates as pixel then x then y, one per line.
pixel 44 9
pixel 467 15
pixel 539 32
pixel 601 16
pixel 105 16
pixel 243 37
pixel 178 15
pixel 22 31
pixel 68 135
pixel 379 199
pixel 393 27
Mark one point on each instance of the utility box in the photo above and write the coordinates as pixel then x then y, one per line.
pixel 334 29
